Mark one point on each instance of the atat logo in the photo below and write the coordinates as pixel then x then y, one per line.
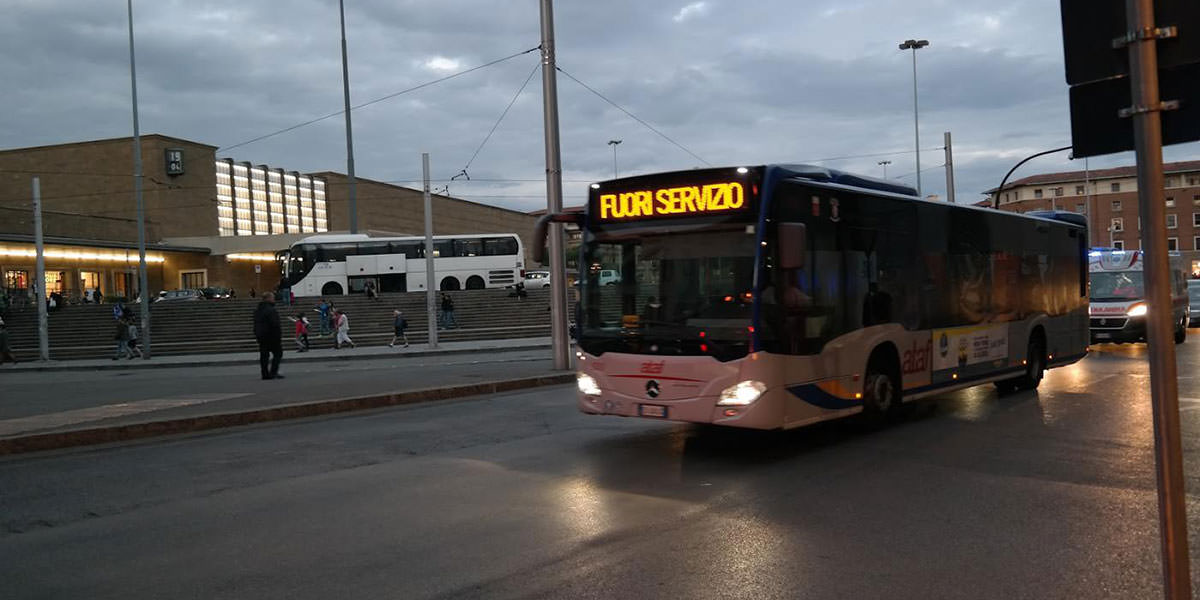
pixel 653 368
pixel 652 389
pixel 917 358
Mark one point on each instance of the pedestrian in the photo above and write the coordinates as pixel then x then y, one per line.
pixel 118 311
pixel 133 338
pixel 448 312
pixel 251 292
pixel 323 311
pixel 342 322
pixel 98 297
pixel 5 350
pixel 121 336
pixel 232 294
pixel 269 335
pixel 371 292
pixel 400 325
pixel 301 333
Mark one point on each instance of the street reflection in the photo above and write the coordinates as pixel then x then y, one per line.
pixel 582 508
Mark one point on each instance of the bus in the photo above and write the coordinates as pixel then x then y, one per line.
pixel 334 265
pixel 778 296
pixel 1118 296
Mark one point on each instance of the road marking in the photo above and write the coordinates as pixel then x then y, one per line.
pixel 108 411
pixel 1186 404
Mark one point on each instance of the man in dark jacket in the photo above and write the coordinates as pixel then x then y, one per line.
pixel 269 335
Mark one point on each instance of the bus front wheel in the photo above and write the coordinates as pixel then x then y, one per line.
pixel 881 390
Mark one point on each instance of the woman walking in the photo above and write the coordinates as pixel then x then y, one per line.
pixel 343 330
pixel 400 325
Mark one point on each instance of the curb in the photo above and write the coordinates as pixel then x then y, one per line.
pixel 136 431
pixel 290 357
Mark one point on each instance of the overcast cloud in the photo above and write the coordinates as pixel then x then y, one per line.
pixel 735 82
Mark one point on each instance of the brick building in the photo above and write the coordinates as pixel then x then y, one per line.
pixel 1108 197
pixel 210 221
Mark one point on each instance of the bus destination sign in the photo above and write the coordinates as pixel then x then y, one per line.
pixel 678 201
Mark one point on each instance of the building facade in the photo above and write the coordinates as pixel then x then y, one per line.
pixel 210 221
pixel 1108 197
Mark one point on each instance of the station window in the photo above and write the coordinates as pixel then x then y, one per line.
pixel 1079 189
pixel 1037 193
pixel 1170 202
pixel 1058 191
pixel 1116 204
pixel 1081 208
pixel 1172 221
pixel 1118 244
pixel 1118 224
pixel 1116 187
pixel 1172 244
pixel 1195 219
pixel 16 279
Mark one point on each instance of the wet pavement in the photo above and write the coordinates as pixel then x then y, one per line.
pixel 1032 495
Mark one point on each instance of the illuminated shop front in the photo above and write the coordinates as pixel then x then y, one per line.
pixel 78 270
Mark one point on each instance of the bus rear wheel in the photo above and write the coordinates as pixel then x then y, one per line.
pixel 475 282
pixel 331 288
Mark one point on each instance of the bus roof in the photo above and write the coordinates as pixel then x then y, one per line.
pixel 345 238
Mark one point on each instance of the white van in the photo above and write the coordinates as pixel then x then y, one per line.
pixel 1117 307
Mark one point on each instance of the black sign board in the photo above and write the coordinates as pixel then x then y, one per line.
pixel 1089 27
pixel 1097 129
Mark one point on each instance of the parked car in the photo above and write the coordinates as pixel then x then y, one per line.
pixel 1194 302
pixel 215 293
pixel 537 279
pixel 180 296
pixel 609 277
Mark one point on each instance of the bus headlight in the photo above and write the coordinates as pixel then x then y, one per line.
pixel 587 384
pixel 1137 310
pixel 742 394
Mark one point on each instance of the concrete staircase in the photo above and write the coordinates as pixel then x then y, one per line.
pixel 214 326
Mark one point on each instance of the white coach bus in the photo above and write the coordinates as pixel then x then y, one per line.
pixel 333 265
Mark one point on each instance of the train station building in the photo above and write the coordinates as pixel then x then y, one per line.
pixel 210 221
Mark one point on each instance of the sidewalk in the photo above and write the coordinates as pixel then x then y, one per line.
pixel 290 356
pixel 125 406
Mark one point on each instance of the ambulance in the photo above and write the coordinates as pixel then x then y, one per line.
pixel 1118 307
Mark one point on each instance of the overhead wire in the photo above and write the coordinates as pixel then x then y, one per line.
pixel 633 116
pixel 379 99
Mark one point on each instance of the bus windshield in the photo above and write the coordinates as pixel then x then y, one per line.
pixel 670 294
pixel 1117 286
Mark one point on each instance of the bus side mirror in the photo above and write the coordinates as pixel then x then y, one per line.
pixel 793 245
pixel 538 252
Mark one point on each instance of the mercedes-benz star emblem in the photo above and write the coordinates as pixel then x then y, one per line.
pixel 652 388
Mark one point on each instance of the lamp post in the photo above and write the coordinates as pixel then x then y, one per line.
pixel 614 144
pixel 914 45
pixel 884 164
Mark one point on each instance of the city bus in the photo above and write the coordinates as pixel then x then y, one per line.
pixel 334 265
pixel 1118 297
pixel 778 296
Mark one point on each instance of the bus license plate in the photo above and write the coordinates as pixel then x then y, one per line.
pixel 652 410
pixel 1104 336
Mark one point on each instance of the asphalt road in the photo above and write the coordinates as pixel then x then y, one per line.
pixel 224 388
pixel 1034 495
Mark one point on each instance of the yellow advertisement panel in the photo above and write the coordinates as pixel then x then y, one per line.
pixel 961 346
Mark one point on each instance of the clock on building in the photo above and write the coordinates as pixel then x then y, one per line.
pixel 174 161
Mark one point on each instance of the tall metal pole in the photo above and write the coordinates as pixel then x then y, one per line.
pixel 349 128
pixel 1164 387
pixel 430 293
pixel 949 168
pixel 559 344
pixel 614 144
pixel 917 124
pixel 40 295
pixel 143 279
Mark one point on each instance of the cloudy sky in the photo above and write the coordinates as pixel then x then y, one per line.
pixel 733 82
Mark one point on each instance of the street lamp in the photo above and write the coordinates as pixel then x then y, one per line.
pixel 614 144
pixel 884 164
pixel 914 45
